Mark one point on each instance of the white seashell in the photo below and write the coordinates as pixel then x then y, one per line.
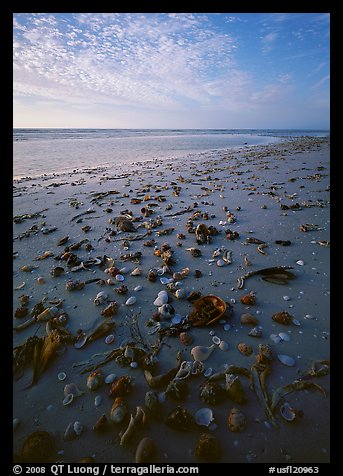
pixel 166 310
pixel 296 322
pixel 62 376
pixel 162 293
pixel 223 346
pixel 124 270
pixel 119 277
pixel 286 360
pixel 227 327
pixel 287 412
pixel 216 340
pixel 136 272
pixel 100 298
pixel 166 280
pixel 275 338
pixel 204 417
pixel 208 372
pixel 68 399
pixel 220 262
pixel 202 353
pixel 109 339
pixel 133 365
pixel 131 301
pixel 110 378
pixel 309 316
pixel 179 293
pixel 286 298
pixel 176 319
pixel 78 428
pixel 160 300
pixel 285 337
pixel 138 288
pixel 300 262
pixel 73 389
pixel 98 400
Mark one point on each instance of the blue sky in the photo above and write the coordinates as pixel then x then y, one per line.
pixel 171 70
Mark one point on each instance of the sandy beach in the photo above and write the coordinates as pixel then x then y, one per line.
pixel 103 230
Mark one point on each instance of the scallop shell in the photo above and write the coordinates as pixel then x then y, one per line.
pixel 204 417
pixel 131 301
pixel 286 360
pixel 202 353
pixel 236 420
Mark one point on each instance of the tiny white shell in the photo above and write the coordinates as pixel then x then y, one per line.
pixel 78 428
pixel 179 293
pixel 166 280
pixel 124 270
pixel 204 417
pixel 109 339
pixel 68 399
pixel 119 277
pixel 285 337
pixel 227 327
pixel 296 322
pixel 286 298
pixel 208 372
pixel 275 338
pixel 300 262
pixel 98 400
pixel 176 319
pixel 223 346
pixel 131 301
pixel 110 378
pixel 62 376
pixel 287 412
pixel 138 288
pixel 216 340
pixel 220 263
pixel 133 365
pixel 136 272
pixel 286 360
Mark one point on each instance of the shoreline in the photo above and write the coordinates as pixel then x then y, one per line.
pixel 272 191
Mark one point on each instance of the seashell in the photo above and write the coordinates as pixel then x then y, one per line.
pixel 40 280
pixel 216 340
pixel 68 399
pixel 37 447
pixel 28 268
pixel 220 262
pixel 119 277
pixel 145 451
pixel 255 332
pixel 224 346
pixel 296 322
pixel 197 367
pixel 98 400
pixel 95 379
pixel 208 448
pixel 100 298
pixel 119 410
pixel 234 388
pixel 109 339
pixel 180 419
pixel 121 386
pixel 248 299
pixel 166 280
pixel 110 310
pixel 248 319
pixel 131 301
pixel 78 428
pixel 211 393
pixel 202 353
pixel 177 389
pixel 62 376
pixel 226 327
pixel 227 257
pixel 74 285
pixel 161 299
pixel 283 317
pixel 81 340
pixel 166 310
pixel 180 293
pixel 135 423
pixel 136 272
pixel 208 372
pixel 185 370
pixel 152 276
pixel 287 412
pixel 245 349
pixel 185 338
pixel 275 338
pixel 101 424
pixel 62 241
pixel 56 271
pixel 176 319
pixel 124 270
pixel 286 360
pixel 204 417
pixel 73 389
pixel 236 420
pixel 285 337
pixel 69 433
pixel 265 354
pixel 121 290
pixel 110 378
pixel 138 288
pixel 153 404
pixel 300 262
pixel 133 365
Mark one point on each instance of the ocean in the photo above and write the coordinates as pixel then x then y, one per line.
pixel 37 152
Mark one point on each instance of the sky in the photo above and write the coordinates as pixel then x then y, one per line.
pixel 171 70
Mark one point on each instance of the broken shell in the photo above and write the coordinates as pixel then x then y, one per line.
pixel 37 447
pixel 100 298
pixel 131 301
pixel 255 332
pixel 166 310
pixel 211 393
pixel 81 340
pixel 208 448
pixel 136 272
pixel 110 310
pixel 121 386
pixel 101 424
pixel 216 340
pixel 234 388
pixel 135 422
pixel 285 337
pixel 248 299
pixel 180 419
pixel 69 433
pixel 204 417
pixel 236 420
pixel 283 317
pixel 145 451
pixel 72 388
pixel 245 349
pixel 248 319
pixel 223 346
pixel 185 338
pixel 286 360
pixel 68 399
pixel 202 353
pixel 95 379
pixel 119 410
pixel 287 412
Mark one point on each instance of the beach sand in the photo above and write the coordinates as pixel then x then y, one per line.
pixel 274 192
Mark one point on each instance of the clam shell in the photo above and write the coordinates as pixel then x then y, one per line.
pixel 131 301
pixel 109 339
pixel 68 399
pixel 287 412
pixel 220 262
pixel 285 337
pixel 164 280
pixel 204 417
pixel 202 353
pixel 138 288
pixel 286 360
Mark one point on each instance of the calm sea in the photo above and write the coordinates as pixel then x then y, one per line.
pixel 46 151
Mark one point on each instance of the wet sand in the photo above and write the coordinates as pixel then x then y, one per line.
pixel 274 192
